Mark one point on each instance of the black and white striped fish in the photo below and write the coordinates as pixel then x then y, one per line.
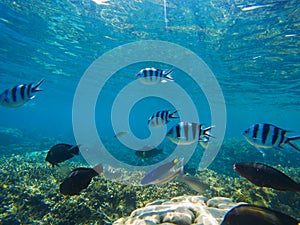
pixel 161 118
pixel 186 133
pixel 154 76
pixel 263 136
pixel 19 94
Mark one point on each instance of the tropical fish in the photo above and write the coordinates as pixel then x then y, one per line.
pixel 266 176
pixel 101 2
pixel 255 215
pixel 121 134
pixel 263 136
pixel 161 118
pixel 79 179
pixel 146 154
pixel 154 76
pixel 19 94
pixel 171 170
pixel 186 133
pixel 111 173
pixel 194 183
pixel 60 153
pixel 164 173
pixel 253 7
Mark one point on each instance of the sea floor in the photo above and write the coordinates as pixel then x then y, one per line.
pixel 29 192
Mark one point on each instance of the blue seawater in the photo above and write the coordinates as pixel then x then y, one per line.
pixel 251 47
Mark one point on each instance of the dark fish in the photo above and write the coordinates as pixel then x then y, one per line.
pixel 161 118
pixel 79 179
pixel 154 76
pixel 121 134
pixel 255 215
pixel 19 94
pixel 146 154
pixel 60 153
pixel 186 133
pixel 263 135
pixel 266 176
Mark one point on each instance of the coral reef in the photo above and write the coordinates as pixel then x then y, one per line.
pixel 184 210
pixel 29 192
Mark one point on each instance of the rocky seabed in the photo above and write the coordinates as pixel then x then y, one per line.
pixel 183 210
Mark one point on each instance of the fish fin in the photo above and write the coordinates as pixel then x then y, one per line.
pixel 172 115
pixel 204 139
pixel 207 130
pixel 294 146
pixel 74 150
pixel 204 144
pixel 168 73
pixel 98 168
pixel 293 138
pixel 289 139
pixel 36 87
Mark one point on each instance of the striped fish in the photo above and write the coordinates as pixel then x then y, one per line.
pixel 186 133
pixel 161 118
pixel 263 136
pixel 154 76
pixel 19 94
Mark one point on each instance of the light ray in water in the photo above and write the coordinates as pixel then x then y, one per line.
pixel 165 14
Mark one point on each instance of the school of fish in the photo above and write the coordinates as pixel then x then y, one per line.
pixel 262 136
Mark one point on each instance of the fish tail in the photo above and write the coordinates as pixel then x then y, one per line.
pixel 75 150
pixel 98 168
pixel 168 73
pixel 174 116
pixel 206 132
pixel 292 144
pixel 36 87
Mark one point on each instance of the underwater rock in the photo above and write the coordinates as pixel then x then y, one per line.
pixel 30 195
pixel 184 210
pixel 10 135
pixel 220 202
